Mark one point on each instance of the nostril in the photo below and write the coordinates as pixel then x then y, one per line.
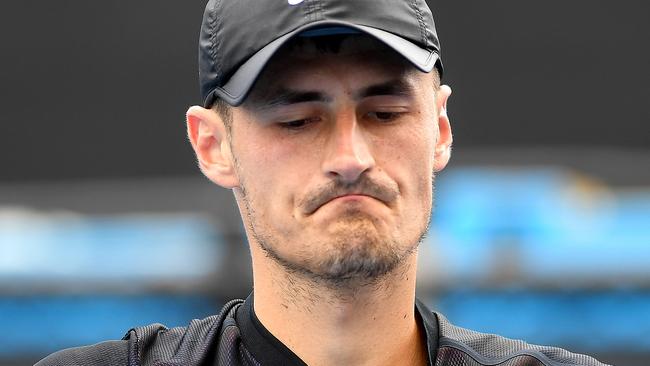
pixel 349 166
pixel 348 154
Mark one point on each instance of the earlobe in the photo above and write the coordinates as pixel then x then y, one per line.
pixel 445 139
pixel 207 134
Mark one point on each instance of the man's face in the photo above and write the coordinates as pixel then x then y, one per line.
pixel 334 154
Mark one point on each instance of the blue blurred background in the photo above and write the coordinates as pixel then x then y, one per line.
pixel 541 226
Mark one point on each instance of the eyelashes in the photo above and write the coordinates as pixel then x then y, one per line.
pixel 298 124
pixel 382 117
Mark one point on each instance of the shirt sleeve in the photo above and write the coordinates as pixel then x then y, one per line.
pixel 111 353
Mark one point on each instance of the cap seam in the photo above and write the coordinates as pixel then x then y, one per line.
pixel 307 10
pixel 319 10
pixel 420 19
pixel 426 29
pixel 312 11
pixel 214 39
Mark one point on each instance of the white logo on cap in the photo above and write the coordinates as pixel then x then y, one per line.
pixel 295 2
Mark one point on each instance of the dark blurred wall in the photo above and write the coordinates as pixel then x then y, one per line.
pixel 99 89
pixel 548 72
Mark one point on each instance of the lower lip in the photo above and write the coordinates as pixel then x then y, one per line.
pixel 350 198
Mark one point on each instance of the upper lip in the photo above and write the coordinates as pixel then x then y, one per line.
pixel 384 191
pixel 315 204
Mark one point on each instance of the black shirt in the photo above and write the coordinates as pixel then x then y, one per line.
pixel 263 345
pixel 236 337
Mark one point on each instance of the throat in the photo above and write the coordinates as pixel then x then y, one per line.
pixel 369 328
pixel 374 324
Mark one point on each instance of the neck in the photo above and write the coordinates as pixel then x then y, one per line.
pixel 373 324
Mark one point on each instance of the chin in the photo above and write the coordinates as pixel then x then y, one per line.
pixel 352 251
pixel 357 255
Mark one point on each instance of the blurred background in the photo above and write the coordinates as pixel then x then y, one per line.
pixel 541 229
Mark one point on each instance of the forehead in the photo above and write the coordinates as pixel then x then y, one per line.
pixel 304 60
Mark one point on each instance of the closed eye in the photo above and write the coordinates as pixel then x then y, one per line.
pixel 384 116
pixel 297 124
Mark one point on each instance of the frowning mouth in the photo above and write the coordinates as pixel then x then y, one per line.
pixel 366 188
pixel 342 198
pixel 352 197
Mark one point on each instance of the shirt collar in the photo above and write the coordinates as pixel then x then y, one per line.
pixel 263 345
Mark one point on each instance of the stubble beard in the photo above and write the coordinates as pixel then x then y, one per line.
pixel 353 259
pixel 353 256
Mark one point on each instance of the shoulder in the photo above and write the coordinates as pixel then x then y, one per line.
pixel 187 345
pixel 102 354
pixel 151 344
pixel 490 349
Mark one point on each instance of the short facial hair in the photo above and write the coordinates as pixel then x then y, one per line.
pixel 347 267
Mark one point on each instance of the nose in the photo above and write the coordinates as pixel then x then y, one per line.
pixel 348 154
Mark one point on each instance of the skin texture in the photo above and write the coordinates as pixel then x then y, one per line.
pixel 331 161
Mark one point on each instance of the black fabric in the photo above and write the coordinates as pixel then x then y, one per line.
pixel 477 348
pixel 102 354
pixel 201 343
pixel 236 337
pixel 430 324
pixel 260 342
pixel 237 40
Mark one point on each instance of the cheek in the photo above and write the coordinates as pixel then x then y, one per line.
pixel 254 171
pixel 411 157
pixel 412 151
pixel 272 173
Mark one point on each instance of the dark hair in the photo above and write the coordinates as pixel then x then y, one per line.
pixel 224 111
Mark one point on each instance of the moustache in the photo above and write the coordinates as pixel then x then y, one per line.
pixel 385 192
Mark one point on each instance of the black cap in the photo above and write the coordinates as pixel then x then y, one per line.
pixel 238 37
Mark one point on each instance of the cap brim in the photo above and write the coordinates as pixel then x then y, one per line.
pixel 235 90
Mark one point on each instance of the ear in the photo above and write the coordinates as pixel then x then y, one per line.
pixel 443 143
pixel 207 134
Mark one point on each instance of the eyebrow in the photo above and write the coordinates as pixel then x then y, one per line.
pixel 397 87
pixel 284 96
